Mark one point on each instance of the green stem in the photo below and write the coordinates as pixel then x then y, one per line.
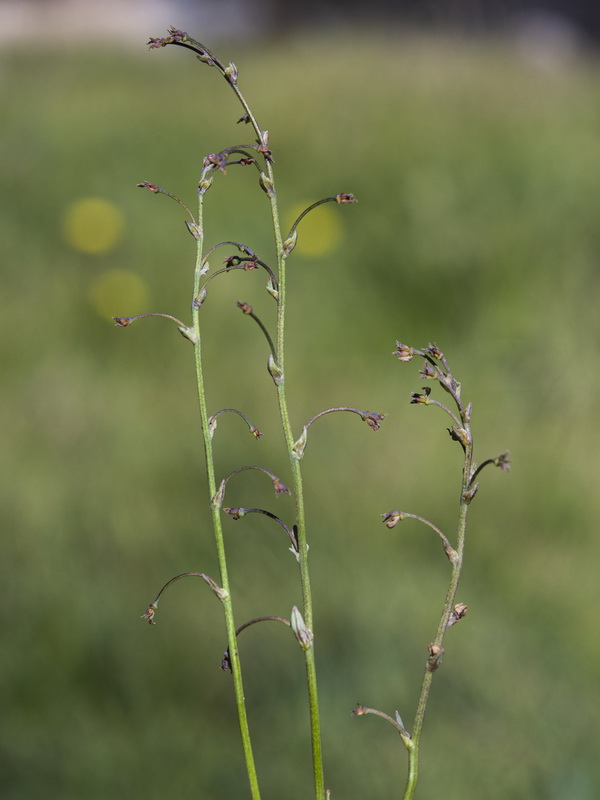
pixel 307 610
pixel 218 530
pixel 413 752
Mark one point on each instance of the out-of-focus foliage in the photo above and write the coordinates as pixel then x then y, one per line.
pixel 477 228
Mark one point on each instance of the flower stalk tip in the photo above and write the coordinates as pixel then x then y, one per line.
pixel 149 614
pixel 404 352
pixel 345 197
pixel 373 420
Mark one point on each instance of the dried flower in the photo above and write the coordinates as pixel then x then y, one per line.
pixel 280 487
pixel 416 397
pixel 373 420
pixel 436 653
pixel 404 352
pixel 428 372
pixel 345 197
pixel 150 186
pixel 226 662
pixel 434 351
pixel 392 518
pixel 217 160
pixel 503 461
pixel 149 614
pixel 236 513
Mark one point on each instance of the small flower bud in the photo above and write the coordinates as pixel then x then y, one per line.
pixel 188 333
pixel 255 432
pixel 469 494
pixel 404 352
pixel 289 244
pixel 217 498
pixel 428 372
pixel 465 414
pixel 245 308
pixel 451 553
pixel 266 184
pixel 265 152
pixel 197 301
pixel 150 186
pixel 236 513
pixel 459 435
pixel 194 229
pixel 275 372
pixel 436 653
pixel 459 611
pixel 434 351
pixel 204 185
pixel 122 322
pixel 231 74
pixel 226 662
pixel 303 634
pixel 299 446
pixel 272 289
pixel 212 425
pixel 217 590
pixel 206 59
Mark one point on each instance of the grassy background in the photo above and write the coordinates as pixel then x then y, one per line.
pixel 477 228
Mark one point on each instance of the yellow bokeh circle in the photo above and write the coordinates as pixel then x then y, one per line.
pixel 119 293
pixel 319 232
pixel 93 225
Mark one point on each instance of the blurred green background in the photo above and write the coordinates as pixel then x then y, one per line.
pixel 477 174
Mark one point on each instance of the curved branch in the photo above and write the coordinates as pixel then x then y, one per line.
pixel 219 592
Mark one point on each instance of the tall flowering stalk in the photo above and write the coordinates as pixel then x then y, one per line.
pixel 437 369
pixel 256 156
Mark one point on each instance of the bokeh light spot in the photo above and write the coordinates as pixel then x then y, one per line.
pixel 319 233
pixel 119 293
pixel 93 225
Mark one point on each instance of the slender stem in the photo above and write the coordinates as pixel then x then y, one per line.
pixel 219 540
pixel 413 752
pixel 307 611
